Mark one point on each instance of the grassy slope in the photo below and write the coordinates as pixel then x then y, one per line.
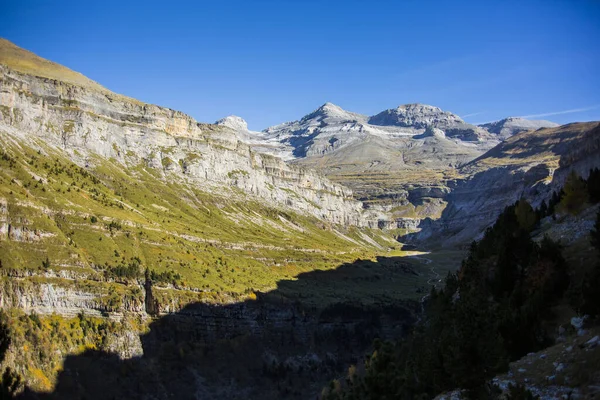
pixel 29 63
pixel 227 245
pixel 218 243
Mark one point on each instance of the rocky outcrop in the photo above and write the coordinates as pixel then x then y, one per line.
pixel 423 116
pixel 418 116
pixel 232 351
pixel 43 295
pixel 234 122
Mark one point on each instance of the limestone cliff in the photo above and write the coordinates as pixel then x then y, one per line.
pixel 88 121
pixel 529 165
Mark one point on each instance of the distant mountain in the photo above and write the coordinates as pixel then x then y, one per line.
pixel 330 128
pixel 508 127
pixel 393 160
pixel 397 161
pixel 400 162
pixel 323 130
pixel 422 116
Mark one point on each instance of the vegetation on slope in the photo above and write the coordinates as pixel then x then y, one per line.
pixel 110 223
pixel 104 230
pixel 10 381
pixel 27 62
pixel 497 308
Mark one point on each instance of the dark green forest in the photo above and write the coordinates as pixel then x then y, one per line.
pixel 495 309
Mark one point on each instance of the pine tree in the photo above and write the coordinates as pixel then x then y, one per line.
pixel 543 210
pixel 576 194
pixel 593 185
pixel 554 201
pixel 591 283
pixel 525 215
pixel 595 233
pixel 10 380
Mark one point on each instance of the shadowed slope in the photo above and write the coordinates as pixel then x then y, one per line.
pixel 267 348
pixel 530 165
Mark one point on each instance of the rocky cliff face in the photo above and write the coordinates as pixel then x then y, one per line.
pixel 59 295
pixel 170 346
pixel 88 123
pixel 397 162
pixel 257 349
pixel 529 165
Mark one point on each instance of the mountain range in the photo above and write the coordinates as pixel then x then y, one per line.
pixel 398 162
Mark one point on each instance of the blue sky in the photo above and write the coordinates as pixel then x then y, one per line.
pixel 274 61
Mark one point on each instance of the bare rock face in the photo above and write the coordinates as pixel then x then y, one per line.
pixel 56 297
pixel 86 122
pixel 417 116
pixel 433 132
pixel 529 165
pixel 423 116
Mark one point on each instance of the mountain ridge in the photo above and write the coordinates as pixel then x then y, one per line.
pixel 510 126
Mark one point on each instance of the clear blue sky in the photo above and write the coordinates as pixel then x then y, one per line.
pixel 274 61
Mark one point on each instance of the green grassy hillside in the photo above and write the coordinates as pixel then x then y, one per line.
pixel 58 216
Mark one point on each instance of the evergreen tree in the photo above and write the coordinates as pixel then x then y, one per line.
pixel 520 392
pixel 542 212
pixel 557 275
pixel 526 217
pixel 11 381
pixel 591 283
pixel 593 185
pixel 554 201
pixel 595 233
pixel 576 194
